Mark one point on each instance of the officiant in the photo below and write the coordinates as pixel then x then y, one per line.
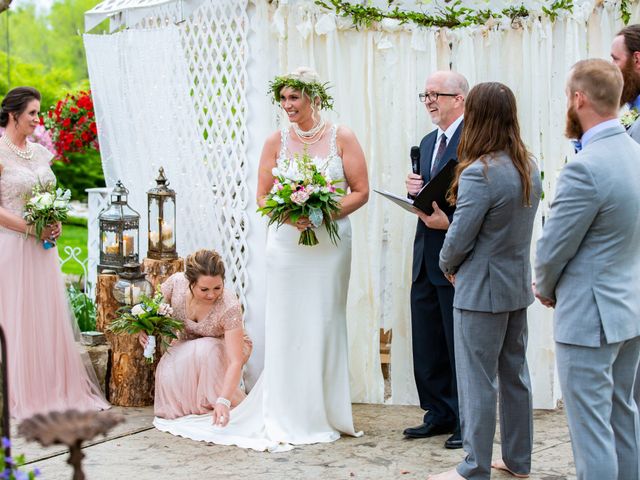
pixel 431 292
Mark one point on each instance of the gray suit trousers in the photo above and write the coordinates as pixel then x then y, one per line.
pixel 597 387
pixel 490 353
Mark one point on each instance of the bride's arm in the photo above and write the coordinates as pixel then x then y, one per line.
pixel 355 172
pixel 267 163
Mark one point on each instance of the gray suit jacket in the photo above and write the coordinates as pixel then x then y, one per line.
pixel 634 130
pixel 489 241
pixel 588 258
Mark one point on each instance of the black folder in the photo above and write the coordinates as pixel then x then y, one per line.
pixel 434 191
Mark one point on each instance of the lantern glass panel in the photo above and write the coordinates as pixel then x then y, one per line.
pixel 168 224
pixel 154 222
pixel 130 291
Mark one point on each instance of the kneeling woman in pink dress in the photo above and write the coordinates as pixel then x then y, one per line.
pixel 201 371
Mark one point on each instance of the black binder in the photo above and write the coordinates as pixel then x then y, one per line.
pixel 434 191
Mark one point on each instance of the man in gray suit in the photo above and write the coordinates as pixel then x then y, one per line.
pixel 588 267
pixel 625 53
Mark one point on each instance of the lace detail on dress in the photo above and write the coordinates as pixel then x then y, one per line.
pixel 225 314
pixel 19 176
pixel 331 165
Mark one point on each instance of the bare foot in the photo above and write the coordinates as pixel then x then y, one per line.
pixel 450 475
pixel 500 465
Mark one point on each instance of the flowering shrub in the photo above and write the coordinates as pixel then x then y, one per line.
pixel 72 124
pixel 10 467
pixel 40 135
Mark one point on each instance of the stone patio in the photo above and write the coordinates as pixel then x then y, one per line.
pixel 135 450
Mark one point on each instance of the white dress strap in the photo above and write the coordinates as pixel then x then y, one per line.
pixel 333 144
pixel 284 134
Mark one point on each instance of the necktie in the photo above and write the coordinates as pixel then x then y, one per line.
pixel 439 154
pixel 577 145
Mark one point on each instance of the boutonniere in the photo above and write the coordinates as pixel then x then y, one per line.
pixel 629 117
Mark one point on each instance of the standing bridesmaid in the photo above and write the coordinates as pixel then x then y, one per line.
pixel 46 370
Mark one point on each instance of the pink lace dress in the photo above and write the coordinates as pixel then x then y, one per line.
pixel 191 373
pixel 46 370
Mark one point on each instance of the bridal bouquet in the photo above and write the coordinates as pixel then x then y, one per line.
pixel 303 190
pixel 47 205
pixel 152 316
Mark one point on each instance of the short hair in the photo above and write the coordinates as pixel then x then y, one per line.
pixel 15 102
pixel 206 263
pixel 631 35
pixel 601 81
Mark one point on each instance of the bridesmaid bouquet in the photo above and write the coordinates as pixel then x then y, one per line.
pixel 47 205
pixel 152 316
pixel 303 190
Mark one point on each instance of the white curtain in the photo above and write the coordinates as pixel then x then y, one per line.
pixel 376 74
pixel 146 120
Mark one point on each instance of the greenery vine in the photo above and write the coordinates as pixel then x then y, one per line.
pixel 455 15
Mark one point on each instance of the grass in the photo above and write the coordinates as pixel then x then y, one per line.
pixel 74 234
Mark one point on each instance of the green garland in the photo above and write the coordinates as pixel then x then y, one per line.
pixel 312 89
pixel 455 15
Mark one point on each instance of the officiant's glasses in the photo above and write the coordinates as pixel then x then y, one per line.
pixel 433 96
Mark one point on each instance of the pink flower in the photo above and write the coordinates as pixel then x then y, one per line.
pixel 300 197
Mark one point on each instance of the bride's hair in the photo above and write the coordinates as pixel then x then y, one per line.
pixel 203 262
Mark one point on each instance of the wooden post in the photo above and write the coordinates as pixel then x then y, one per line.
pixel 131 382
pixel 159 270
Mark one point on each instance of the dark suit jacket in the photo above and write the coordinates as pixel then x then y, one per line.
pixel 428 242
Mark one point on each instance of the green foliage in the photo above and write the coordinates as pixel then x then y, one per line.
pixel 312 89
pixel 453 15
pixel 84 309
pixel 83 171
pixel 45 47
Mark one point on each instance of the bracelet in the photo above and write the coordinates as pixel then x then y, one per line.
pixel 224 401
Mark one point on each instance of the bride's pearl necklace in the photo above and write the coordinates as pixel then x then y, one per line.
pixel 308 134
pixel 27 153
pixel 319 133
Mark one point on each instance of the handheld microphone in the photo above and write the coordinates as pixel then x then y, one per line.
pixel 415 160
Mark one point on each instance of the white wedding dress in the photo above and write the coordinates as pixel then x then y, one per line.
pixel 302 396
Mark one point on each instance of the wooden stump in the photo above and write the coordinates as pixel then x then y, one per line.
pixel 131 378
pixel 159 270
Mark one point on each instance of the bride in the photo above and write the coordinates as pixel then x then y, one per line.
pixel 302 396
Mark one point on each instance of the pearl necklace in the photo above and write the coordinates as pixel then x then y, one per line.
pixel 309 133
pixel 27 153
pixel 302 139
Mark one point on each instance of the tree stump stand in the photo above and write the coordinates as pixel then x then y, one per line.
pixel 131 378
pixel 158 271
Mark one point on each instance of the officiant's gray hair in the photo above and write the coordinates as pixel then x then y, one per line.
pixel 456 82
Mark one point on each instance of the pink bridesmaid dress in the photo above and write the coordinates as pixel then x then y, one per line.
pixel 190 375
pixel 45 365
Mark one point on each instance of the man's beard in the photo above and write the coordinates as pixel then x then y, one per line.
pixel 573 129
pixel 631 87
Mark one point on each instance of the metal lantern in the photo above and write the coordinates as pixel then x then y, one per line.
pixel 161 201
pixel 119 232
pixel 131 285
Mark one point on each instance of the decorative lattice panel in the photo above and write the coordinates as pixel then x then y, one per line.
pixel 215 43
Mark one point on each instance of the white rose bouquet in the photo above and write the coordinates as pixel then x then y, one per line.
pixel 303 190
pixel 46 206
pixel 154 317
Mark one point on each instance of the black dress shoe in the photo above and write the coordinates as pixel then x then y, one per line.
pixel 454 441
pixel 427 430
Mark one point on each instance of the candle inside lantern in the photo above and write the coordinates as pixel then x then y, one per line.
pixel 112 249
pixel 128 245
pixel 133 295
pixel 154 237
pixel 167 235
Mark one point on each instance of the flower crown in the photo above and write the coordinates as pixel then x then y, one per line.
pixel 313 89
